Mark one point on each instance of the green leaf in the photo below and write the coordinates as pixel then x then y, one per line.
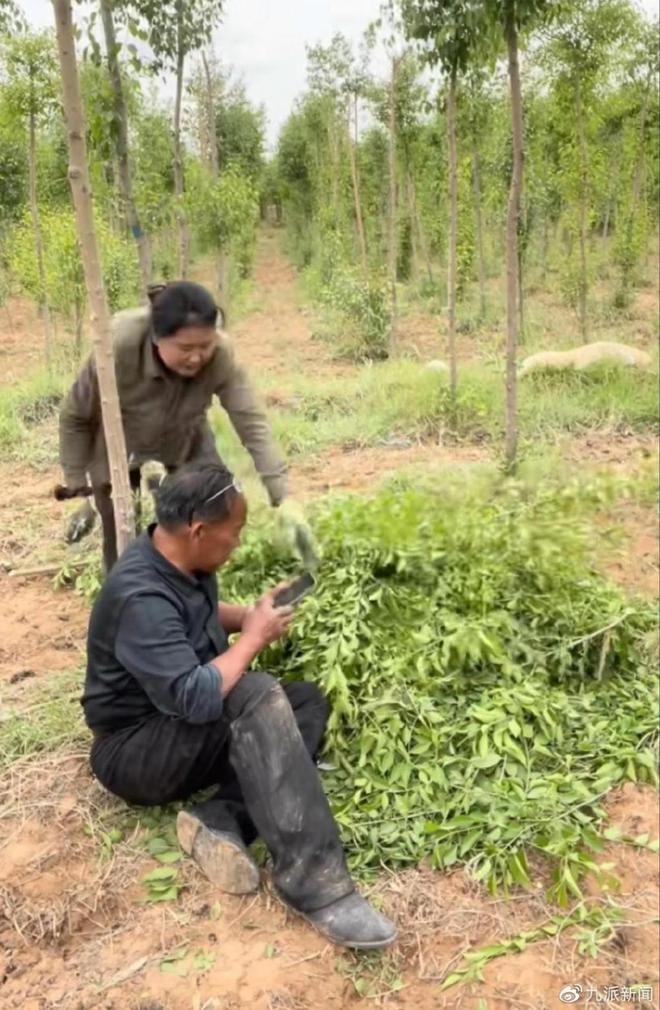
pixel 452 980
pixel 204 960
pixel 157 845
pixel 169 894
pixel 173 963
pixel 169 857
pixel 487 761
pixel 160 875
pixel 174 968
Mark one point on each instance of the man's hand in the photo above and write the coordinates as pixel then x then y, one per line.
pixel 295 533
pixel 264 623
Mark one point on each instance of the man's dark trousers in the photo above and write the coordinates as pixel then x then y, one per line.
pixel 260 754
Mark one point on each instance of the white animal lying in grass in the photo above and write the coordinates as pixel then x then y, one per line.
pixel 437 366
pixel 579 358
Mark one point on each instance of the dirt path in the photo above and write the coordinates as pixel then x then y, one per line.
pixel 274 341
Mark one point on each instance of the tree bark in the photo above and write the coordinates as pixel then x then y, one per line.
pixel 44 306
pixel 355 179
pixel 78 324
pixel 224 261
pixel 214 161
pixel 583 214
pixel 335 160
pixel 615 171
pixel 224 281
pixel 100 314
pixel 184 235
pixel 417 224
pixel 129 209
pixel 513 215
pixel 637 185
pixel 545 239
pixel 391 230
pixel 453 235
pixel 478 217
pixel 414 243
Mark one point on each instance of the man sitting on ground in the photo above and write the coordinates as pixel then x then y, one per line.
pixel 175 709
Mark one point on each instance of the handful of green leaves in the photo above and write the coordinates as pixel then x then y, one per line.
pixel 488 685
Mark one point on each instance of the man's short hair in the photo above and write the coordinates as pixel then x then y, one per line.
pixel 203 491
pixel 179 304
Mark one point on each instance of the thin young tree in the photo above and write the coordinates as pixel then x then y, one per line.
pixel 30 63
pixel 211 90
pixel 173 30
pixel 641 83
pixel 392 238
pixel 453 232
pixel 476 115
pixel 334 72
pixel 411 104
pixel 477 29
pixel 513 294
pixel 100 313
pixel 579 54
pixel 121 127
pixel 449 43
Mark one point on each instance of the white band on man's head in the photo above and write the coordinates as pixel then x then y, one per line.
pixel 237 487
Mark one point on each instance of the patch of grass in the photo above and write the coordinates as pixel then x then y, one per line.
pixel 25 405
pixel 602 397
pixel 52 719
pixel 403 400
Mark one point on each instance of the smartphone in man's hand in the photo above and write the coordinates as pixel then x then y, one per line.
pixel 296 591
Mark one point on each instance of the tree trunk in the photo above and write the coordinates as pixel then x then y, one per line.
pixel 44 307
pixel 78 324
pixel 184 235
pixel 333 145
pixel 638 176
pixel 355 179
pixel 214 163
pixel 417 224
pixel 513 214
pixel 521 300
pixel 478 218
pixel 100 314
pixel 129 209
pixel 414 244
pixel 453 234
pixel 391 230
pixel 615 171
pixel 223 264
pixel 583 214
pixel 224 274
pixel 545 239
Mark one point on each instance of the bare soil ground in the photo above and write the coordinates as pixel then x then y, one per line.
pixel 75 932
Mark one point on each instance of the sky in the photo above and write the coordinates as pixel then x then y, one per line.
pixel 264 40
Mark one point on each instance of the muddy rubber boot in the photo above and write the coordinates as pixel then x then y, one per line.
pixel 220 855
pixel 352 922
